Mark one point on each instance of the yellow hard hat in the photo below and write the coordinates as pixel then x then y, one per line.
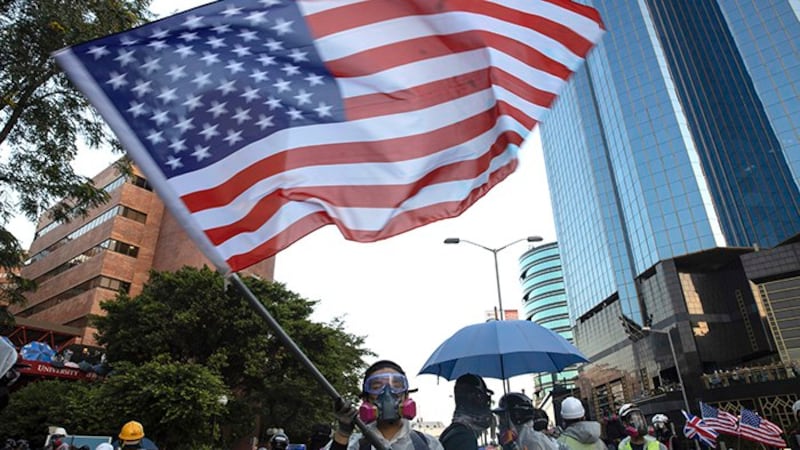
pixel 132 431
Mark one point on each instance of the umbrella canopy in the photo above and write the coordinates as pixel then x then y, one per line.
pixel 502 349
pixel 37 351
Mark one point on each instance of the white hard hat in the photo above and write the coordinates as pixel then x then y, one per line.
pixel 58 431
pixel 627 408
pixel 104 446
pixel 796 407
pixel 660 418
pixel 572 408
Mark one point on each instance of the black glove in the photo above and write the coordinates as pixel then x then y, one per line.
pixel 345 413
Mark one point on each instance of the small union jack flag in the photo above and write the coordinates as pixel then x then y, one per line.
pixel 695 428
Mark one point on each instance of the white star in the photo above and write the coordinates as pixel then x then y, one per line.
pixel 233 137
pixel 282 86
pixel 98 52
pixel 274 45
pixel 231 11
pixel 174 162
pixel 240 51
pixel 297 55
pixel 264 121
pixel 250 94
pixel 193 22
pixel 125 57
pixel 314 79
pixel 290 70
pixel 273 103
pixel 222 28
pixel 234 67
pixel 269 3
pixel 192 102
pixel 128 41
pixel 267 60
pixel 209 58
pixel 189 36
pixel 216 42
pixel 294 114
pixel 184 124
pixel 142 87
pixel 257 17
pixel 201 152
pixel 157 45
pixel 323 110
pixel 151 65
pixel 226 86
pixel 303 97
pixel 117 80
pixel 217 109
pixel 159 34
pixel 259 76
pixel 137 109
pixel 184 50
pixel 177 146
pixel 168 95
pixel 242 115
pixel 160 117
pixel 176 72
pixel 155 137
pixel 201 79
pixel 248 35
pixel 209 131
pixel 282 26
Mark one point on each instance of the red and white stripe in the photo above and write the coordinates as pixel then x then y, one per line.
pixel 438 96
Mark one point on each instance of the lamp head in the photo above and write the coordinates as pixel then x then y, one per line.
pixel 534 239
pixel 452 240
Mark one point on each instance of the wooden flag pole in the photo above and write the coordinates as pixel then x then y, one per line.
pixel 262 311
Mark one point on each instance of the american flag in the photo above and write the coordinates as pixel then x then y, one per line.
pixel 722 421
pixel 697 428
pixel 758 429
pixel 259 121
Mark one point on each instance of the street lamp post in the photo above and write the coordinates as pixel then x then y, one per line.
pixel 668 332
pixel 495 251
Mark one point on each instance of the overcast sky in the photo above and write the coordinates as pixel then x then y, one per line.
pixel 409 293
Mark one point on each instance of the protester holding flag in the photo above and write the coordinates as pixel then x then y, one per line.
pixel 385 408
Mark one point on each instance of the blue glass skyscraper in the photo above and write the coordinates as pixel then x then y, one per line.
pixel 680 135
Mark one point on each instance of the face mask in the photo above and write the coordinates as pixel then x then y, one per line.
pixel 387 408
pixel 635 425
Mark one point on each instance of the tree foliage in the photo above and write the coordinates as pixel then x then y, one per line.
pixel 42 115
pixel 190 316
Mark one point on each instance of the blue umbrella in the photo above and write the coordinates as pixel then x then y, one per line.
pixel 502 349
pixel 37 351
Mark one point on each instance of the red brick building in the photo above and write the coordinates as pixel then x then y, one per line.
pixel 81 263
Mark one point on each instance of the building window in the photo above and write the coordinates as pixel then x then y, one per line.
pixel 109 244
pixel 96 282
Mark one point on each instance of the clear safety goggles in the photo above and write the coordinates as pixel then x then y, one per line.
pixel 375 384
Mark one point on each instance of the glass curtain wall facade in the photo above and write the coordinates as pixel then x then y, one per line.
pixel 544 301
pixel 679 135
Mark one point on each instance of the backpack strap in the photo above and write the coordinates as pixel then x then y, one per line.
pixel 419 440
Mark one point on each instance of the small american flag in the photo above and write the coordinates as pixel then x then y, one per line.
pixel 758 429
pixel 259 121
pixel 697 428
pixel 721 421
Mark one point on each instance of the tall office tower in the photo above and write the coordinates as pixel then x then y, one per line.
pixel 544 301
pixel 674 150
pixel 81 263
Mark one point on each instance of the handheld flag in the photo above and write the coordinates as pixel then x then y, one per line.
pixel 758 429
pixel 719 420
pixel 696 428
pixel 259 121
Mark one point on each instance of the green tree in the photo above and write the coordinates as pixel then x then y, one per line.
pixel 190 316
pixel 42 115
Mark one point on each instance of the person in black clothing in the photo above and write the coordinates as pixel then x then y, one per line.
pixel 320 435
pixel 472 416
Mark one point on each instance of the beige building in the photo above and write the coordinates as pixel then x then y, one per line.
pixel 81 263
